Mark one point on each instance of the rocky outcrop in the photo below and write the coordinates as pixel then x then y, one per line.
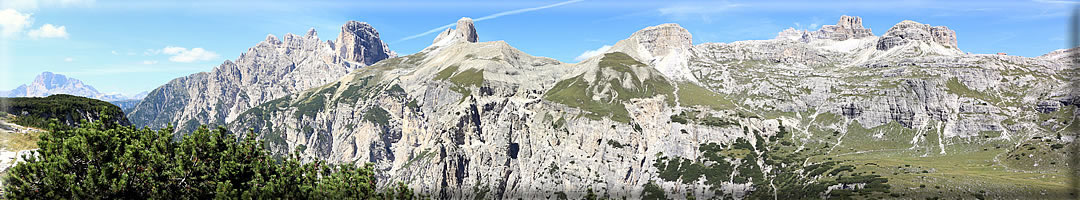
pixel 271 69
pixel 666 47
pixel 358 42
pixel 911 31
pixel 1062 55
pixel 464 32
pixel 664 39
pixel 848 27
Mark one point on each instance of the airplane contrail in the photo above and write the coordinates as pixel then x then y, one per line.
pixel 493 16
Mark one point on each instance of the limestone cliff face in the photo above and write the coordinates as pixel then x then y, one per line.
pixel 907 31
pixel 463 32
pixel 666 47
pixel 848 27
pixel 659 114
pixel 271 69
pixel 359 42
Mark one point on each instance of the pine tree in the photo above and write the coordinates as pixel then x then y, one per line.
pixel 108 161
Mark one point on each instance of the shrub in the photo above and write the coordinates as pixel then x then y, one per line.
pixel 122 162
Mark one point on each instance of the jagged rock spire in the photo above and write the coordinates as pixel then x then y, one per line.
pixel 360 42
pixel 311 33
pixel 848 27
pixel 465 31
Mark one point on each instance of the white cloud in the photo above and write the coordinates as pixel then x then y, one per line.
pixel 49 31
pixel 171 50
pixel 181 54
pixel 69 59
pixel 114 52
pixel 12 22
pixel 492 16
pixel 590 53
pixel 149 62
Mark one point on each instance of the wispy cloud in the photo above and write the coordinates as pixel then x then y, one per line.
pixel 523 10
pixel 149 62
pixel 493 16
pixel 184 55
pixel 590 53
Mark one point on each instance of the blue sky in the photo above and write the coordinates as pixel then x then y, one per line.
pixel 130 46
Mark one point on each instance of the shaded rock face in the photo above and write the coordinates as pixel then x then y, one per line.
pixel 271 69
pixel 465 32
pixel 359 42
pixel 907 31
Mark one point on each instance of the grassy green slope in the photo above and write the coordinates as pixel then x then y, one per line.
pixel 615 69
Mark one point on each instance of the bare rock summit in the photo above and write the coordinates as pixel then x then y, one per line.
pixel 907 31
pixel 666 47
pixel 359 42
pixel 848 27
pixel 465 31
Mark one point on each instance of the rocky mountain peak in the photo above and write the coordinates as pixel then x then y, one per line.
pixel 465 31
pixel 48 83
pixel 908 30
pixel 848 27
pixel 665 47
pixel 270 38
pixel 311 33
pixel 360 42
pixel 662 39
pixel 850 22
pixel 271 69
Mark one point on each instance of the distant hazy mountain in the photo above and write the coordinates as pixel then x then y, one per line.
pixel 48 83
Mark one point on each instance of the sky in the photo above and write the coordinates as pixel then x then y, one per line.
pixel 132 46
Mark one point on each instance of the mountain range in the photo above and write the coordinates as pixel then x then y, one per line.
pixel 271 69
pixel 830 113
